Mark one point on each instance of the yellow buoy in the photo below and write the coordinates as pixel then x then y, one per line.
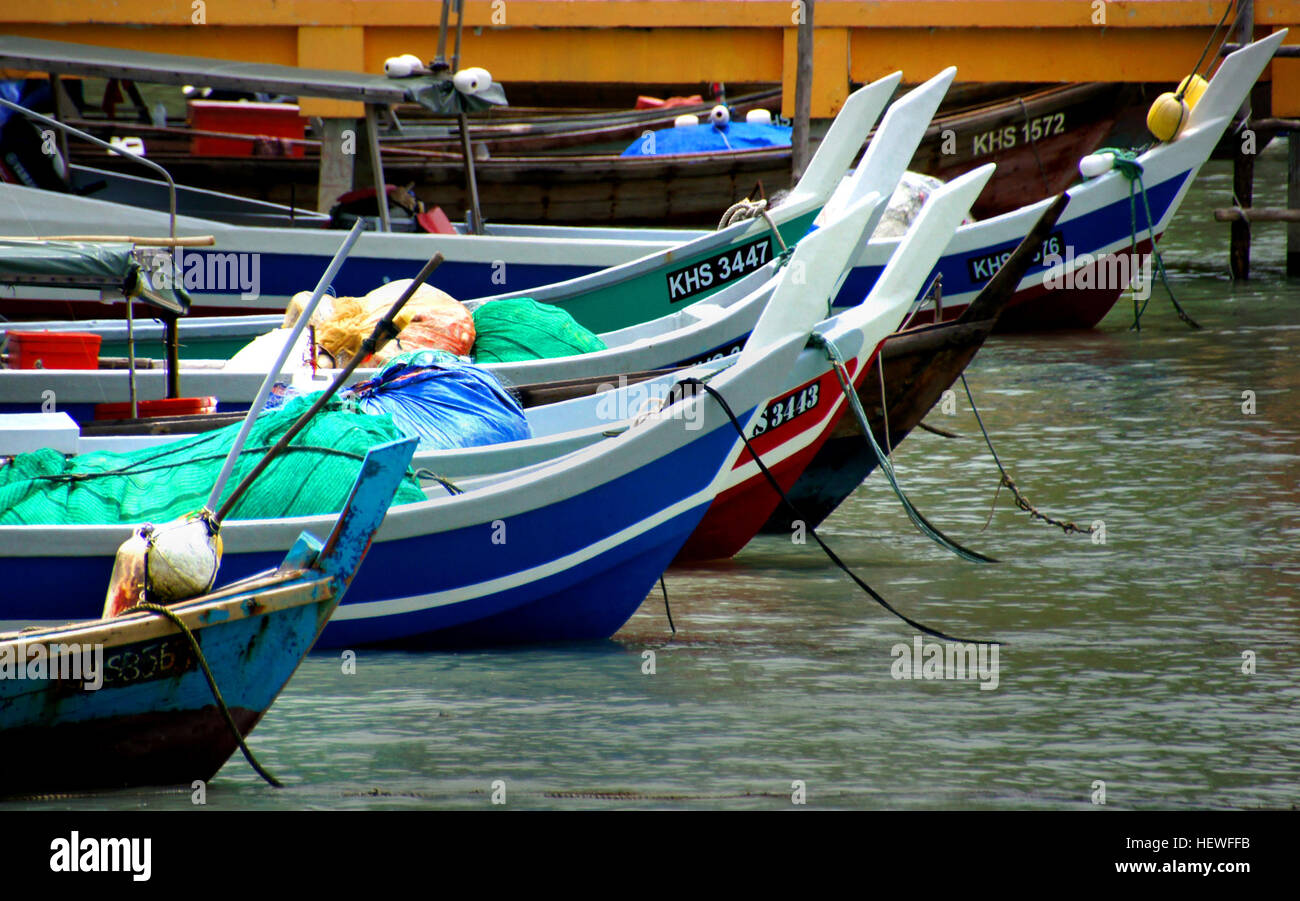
pixel 1167 116
pixel 1192 87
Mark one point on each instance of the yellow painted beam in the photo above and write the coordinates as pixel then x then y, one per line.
pixel 1286 83
pixel 679 41
pixel 332 47
pixel 651 13
pixel 1010 54
pixel 633 55
pixel 830 84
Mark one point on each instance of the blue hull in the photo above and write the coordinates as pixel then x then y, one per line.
pixel 150 722
pixel 582 599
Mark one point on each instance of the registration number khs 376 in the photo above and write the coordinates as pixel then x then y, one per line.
pixel 717 270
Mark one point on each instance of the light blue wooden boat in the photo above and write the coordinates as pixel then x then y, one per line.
pixel 124 701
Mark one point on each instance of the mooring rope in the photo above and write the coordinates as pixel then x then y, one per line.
pixel 1126 163
pixel 886 465
pixel 1034 513
pixel 750 209
pixel 448 484
pixel 667 609
pixel 145 607
pixel 834 558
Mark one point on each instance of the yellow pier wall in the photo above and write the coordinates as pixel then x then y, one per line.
pixel 686 41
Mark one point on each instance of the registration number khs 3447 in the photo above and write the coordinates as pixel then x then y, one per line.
pixel 715 271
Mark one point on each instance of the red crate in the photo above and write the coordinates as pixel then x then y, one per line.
pixel 272 120
pixel 54 350
pixel 167 406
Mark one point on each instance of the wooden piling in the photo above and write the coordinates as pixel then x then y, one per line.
pixel 802 93
pixel 1293 202
pixel 1243 163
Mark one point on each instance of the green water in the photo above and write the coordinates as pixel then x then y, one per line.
pixel 1122 661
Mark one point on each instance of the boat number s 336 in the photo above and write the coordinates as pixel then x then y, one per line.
pixel 717 270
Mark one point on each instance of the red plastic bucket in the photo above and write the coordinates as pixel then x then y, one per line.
pixel 54 350
pixel 167 406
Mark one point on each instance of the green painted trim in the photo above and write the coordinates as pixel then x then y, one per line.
pixel 645 296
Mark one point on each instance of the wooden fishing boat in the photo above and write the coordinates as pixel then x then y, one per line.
pixel 124 701
pixel 684 333
pixel 561 550
pixel 1035 140
pixel 1094 234
pixel 477 265
pixel 498 131
pixel 916 365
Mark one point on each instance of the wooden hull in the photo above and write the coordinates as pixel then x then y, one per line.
pixel 153 720
pixel 1036 143
pixel 124 701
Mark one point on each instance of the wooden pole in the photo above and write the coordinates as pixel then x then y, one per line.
pixel 1232 214
pixel 172 337
pixel 471 179
pixel 1243 164
pixel 803 76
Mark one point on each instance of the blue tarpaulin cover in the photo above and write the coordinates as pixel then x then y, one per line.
pixel 705 138
pixel 445 405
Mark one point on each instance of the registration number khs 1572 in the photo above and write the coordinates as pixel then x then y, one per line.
pixel 715 271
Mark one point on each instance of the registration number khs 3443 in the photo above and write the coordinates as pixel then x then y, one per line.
pixel 715 271
pixel 786 408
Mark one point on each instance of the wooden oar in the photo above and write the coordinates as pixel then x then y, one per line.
pixel 384 330
pixel 188 241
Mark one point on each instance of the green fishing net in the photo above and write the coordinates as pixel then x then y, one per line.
pixel 509 331
pixel 313 476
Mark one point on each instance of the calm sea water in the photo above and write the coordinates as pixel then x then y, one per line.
pixel 1122 662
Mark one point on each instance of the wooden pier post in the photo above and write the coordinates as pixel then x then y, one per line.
pixel 1293 202
pixel 802 92
pixel 1243 164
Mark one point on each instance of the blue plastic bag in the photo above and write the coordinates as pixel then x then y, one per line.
pixel 445 405
pixel 706 138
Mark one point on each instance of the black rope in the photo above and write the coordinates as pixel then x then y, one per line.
pixel 452 487
pixel 1021 501
pixel 212 683
pixel 667 609
pixel 834 558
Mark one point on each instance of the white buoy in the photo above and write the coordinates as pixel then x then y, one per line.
pixel 474 80
pixel 720 115
pixel 686 120
pixel 758 117
pixel 397 67
pixel 413 61
pixel 1095 164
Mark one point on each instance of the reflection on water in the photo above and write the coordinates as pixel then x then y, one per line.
pixel 1122 661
